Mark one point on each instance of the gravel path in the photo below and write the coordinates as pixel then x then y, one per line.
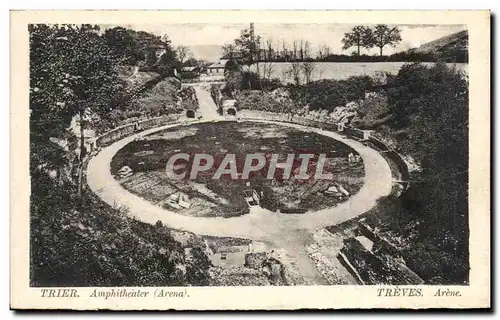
pixel 206 104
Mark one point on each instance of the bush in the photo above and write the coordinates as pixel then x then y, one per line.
pixel 328 94
pixel 256 100
pixel 252 81
pixel 189 75
pixel 435 265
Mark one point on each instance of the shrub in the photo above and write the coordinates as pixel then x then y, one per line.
pixel 328 94
pixel 252 81
pixel 189 75
pixel 435 265
pixel 256 100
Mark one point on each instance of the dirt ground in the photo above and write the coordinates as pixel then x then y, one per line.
pixel 225 197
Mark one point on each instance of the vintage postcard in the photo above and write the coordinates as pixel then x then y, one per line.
pixel 250 160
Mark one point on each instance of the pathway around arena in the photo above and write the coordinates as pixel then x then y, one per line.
pixel 289 231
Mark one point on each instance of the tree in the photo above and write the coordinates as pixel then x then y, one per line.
pixel 286 52
pixel 270 52
pixel 166 62
pixel 360 36
pixel 139 48
pixel 323 52
pixel 182 53
pixel 229 50
pixel 308 68
pixel 306 51
pixel 233 76
pixel 248 46
pixel 285 72
pixel 295 70
pixel 50 96
pixel 295 49
pixel 268 65
pixel 301 49
pixel 72 76
pixel 382 36
pixel 123 44
pixel 192 62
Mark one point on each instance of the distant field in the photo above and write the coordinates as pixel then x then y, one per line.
pixel 341 71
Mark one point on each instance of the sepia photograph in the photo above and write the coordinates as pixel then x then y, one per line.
pixel 252 154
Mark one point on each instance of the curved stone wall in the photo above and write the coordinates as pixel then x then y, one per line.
pixel 125 130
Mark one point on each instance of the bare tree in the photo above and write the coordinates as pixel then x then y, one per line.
pixel 270 69
pixel 270 51
pixel 323 51
pixel 308 68
pixel 321 72
pixel 306 50
pixel 326 51
pixel 284 75
pixel 257 64
pixel 268 65
pixel 301 49
pixel 295 48
pixel 285 51
pixel 320 54
pixel 277 50
pixel 295 71
pixel 182 52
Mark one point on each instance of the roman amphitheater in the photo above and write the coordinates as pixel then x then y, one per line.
pixel 145 195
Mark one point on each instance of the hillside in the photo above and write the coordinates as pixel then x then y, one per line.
pixel 423 115
pixel 421 112
pixel 453 47
pixel 93 244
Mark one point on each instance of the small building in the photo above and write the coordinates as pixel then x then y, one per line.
pixel 229 107
pixel 236 55
pixel 216 68
pixel 190 69
pixel 366 134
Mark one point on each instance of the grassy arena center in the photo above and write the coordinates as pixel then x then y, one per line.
pixel 145 160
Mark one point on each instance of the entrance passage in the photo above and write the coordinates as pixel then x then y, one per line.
pixel 231 112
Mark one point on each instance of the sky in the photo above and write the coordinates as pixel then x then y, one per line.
pixel 195 34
